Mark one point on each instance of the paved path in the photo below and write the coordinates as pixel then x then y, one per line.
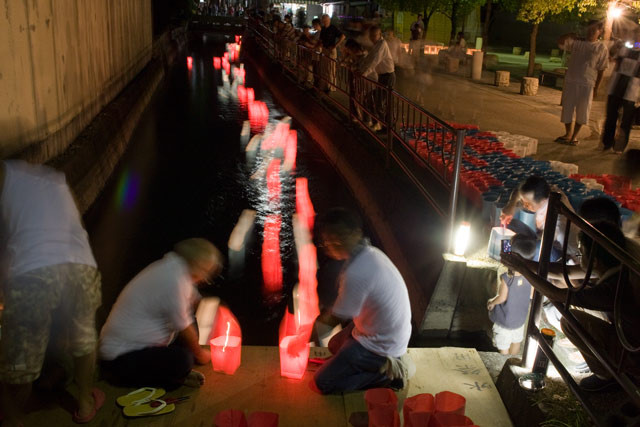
pixel 455 97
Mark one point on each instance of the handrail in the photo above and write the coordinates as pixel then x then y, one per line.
pixel 412 134
pixel 628 263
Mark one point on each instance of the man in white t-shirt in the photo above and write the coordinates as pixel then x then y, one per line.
pixel 51 278
pixel 372 351
pixel 589 58
pixel 150 337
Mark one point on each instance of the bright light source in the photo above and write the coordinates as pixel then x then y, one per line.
pixel 628 45
pixel 615 12
pixel 462 239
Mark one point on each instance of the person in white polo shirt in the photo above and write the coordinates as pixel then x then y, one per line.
pixel 372 351
pixel 51 278
pixel 150 337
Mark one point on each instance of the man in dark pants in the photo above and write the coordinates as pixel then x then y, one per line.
pixel 624 93
pixel 150 337
pixel 330 38
pixel 372 351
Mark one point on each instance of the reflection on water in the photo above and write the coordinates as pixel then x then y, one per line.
pixel 185 175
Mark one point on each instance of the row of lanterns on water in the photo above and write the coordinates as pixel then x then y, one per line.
pixel 278 149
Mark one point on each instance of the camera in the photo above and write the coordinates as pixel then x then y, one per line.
pixel 506 246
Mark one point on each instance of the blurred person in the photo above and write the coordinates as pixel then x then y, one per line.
pixel 589 59
pixel 316 25
pixel 51 279
pixel 600 297
pixel 330 39
pixel 417 28
pixel 624 94
pixel 372 351
pixel 508 310
pixel 380 62
pixel 150 337
pixel 353 54
pixel 395 46
pixel 305 58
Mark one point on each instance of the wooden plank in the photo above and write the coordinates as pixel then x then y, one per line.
pixel 257 386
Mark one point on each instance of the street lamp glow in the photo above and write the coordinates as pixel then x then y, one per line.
pixel 615 12
pixel 462 239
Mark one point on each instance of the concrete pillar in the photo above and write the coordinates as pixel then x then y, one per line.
pixel 476 65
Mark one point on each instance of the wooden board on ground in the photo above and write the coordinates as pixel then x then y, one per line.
pixel 257 386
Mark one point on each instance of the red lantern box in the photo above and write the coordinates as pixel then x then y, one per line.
pixel 271 264
pixel 294 347
pixel 226 344
pixel 382 406
pixel 418 410
pixel 450 403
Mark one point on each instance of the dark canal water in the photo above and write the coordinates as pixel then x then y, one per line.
pixel 184 175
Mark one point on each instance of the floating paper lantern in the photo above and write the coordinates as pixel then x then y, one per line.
pixel 217 63
pixel 271 264
pixel 226 56
pixel 290 151
pixel 242 94
pixel 226 345
pixel 189 63
pixel 250 94
pixel 237 38
pixel 304 207
pixel 273 181
pixel 294 347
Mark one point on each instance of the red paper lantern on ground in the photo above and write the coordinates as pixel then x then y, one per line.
pixel 189 63
pixel 382 406
pixel 418 409
pixel 226 344
pixel 216 63
pixel 450 403
pixel 294 347
pixel 230 418
pixel 271 264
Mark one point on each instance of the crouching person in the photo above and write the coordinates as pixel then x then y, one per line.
pixel 150 337
pixel 372 351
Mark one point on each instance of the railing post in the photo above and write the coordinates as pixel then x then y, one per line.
pixel 548 237
pixel 387 120
pixel 453 198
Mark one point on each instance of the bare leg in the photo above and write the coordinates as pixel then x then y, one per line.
pixel 84 368
pixel 576 129
pixel 514 348
pixel 504 351
pixel 567 131
pixel 14 399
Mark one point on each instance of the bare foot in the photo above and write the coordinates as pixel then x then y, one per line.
pixel 194 379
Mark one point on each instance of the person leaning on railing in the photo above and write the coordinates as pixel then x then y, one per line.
pixel 600 297
pixel 305 64
pixel 330 38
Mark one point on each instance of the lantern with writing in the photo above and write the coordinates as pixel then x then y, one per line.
pixel 226 344
pixel 294 347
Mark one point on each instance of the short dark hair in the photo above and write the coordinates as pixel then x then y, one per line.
pixel 600 209
pixel 339 222
pixel 536 185
pixel 611 231
pixel 315 21
pixel 524 245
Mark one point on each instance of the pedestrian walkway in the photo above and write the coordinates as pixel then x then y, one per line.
pixel 456 98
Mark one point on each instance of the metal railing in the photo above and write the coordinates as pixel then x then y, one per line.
pixel 630 266
pixel 416 140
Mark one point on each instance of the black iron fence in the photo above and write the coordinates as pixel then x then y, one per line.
pixel 628 279
pixel 410 135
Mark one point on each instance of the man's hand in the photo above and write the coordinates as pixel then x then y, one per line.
pixel 203 356
pixel 505 219
pixel 491 304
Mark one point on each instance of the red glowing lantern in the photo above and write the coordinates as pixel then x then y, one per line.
pixel 448 402
pixel 226 345
pixel 237 39
pixel 294 347
pixel 230 418
pixel 250 94
pixel 308 308
pixel 226 56
pixel 242 94
pixel 271 266
pixel 189 63
pixel 304 207
pixel 291 150
pixel 216 63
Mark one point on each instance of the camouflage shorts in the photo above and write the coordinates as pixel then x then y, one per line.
pixel 58 301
